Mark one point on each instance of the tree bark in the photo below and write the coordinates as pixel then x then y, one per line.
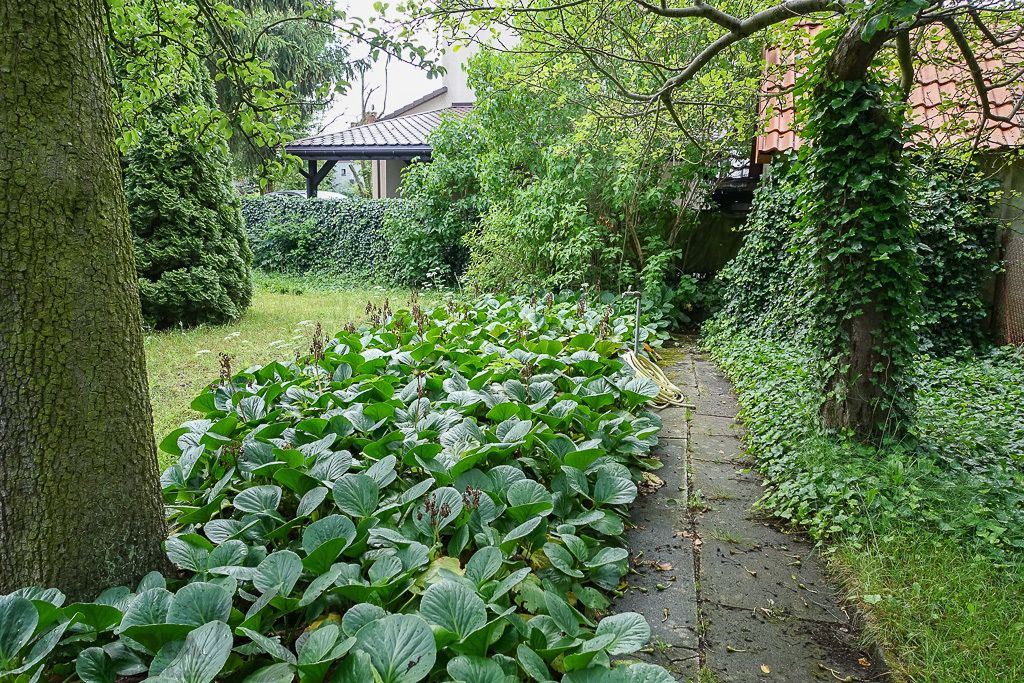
pixel 80 505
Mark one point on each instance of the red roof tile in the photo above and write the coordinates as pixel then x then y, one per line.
pixel 944 101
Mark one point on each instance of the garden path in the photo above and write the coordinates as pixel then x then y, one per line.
pixel 729 596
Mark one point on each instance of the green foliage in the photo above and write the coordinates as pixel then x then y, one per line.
pixel 767 279
pixel 957 233
pixel 272 60
pixel 855 226
pixel 308 55
pixel 961 477
pixel 767 284
pixel 390 507
pixel 441 201
pixel 317 236
pixel 190 246
pixel 550 189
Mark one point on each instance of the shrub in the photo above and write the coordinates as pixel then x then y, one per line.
pixel 190 248
pixel 443 202
pixel 547 192
pixel 317 236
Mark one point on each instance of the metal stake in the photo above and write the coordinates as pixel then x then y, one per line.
pixel 636 327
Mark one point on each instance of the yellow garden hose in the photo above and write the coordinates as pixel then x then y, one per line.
pixel 668 394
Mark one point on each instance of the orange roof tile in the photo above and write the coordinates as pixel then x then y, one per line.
pixel 944 102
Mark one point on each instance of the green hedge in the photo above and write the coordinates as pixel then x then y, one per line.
pixel 335 237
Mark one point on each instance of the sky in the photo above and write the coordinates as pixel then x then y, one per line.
pixel 396 83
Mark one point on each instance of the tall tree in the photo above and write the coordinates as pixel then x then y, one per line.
pixel 80 505
pixel 859 229
pixel 309 55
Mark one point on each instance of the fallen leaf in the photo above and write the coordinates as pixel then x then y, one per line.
pixel 663 566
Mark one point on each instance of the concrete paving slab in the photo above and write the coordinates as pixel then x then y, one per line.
pixel 711 425
pixel 719 449
pixel 753 645
pixel 762 577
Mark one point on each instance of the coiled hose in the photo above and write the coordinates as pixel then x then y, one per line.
pixel 668 394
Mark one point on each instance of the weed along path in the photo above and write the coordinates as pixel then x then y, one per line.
pixel 729 597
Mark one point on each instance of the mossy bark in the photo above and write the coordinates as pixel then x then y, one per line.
pixel 80 505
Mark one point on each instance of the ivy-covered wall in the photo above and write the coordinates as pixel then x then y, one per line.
pixel 333 237
pixel 957 226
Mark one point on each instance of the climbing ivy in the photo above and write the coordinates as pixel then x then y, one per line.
pixel 952 208
pixel 855 225
pixel 766 284
pixel 854 228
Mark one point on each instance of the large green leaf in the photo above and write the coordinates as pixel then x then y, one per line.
pixel 278 572
pixel 400 646
pixel 528 498
pixel 630 629
pixel 258 499
pixel 453 607
pixel 199 603
pixel 323 541
pixel 273 673
pixel 475 670
pixel 610 490
pixel 484 564
pixel 532 664
pixel 357 495
pixel 18 619
pixel 562 614
pixel 148 607
pixel 205 651
pixel 94 665
pixel 358 616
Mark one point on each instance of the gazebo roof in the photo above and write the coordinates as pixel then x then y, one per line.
pixel 394 136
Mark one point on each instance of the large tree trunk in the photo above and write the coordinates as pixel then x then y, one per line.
pixel 866 389
pixel 80 505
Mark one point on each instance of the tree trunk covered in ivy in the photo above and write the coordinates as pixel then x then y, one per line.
pixel 80 505
pixel 861 240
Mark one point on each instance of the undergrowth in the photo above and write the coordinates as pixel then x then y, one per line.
pixel 437 494
pixel 930 529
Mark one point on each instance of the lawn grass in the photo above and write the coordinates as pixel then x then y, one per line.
pixel 279 322
pixel 939 612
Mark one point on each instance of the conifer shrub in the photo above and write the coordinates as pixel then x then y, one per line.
pixel 191 252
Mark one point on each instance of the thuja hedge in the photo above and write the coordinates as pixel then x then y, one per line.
pixel 336 237
pixel 438 495
pixel 767 284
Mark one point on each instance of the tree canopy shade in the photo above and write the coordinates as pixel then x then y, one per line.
pixel 80 505
pixel 855 69
pixel 622 39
